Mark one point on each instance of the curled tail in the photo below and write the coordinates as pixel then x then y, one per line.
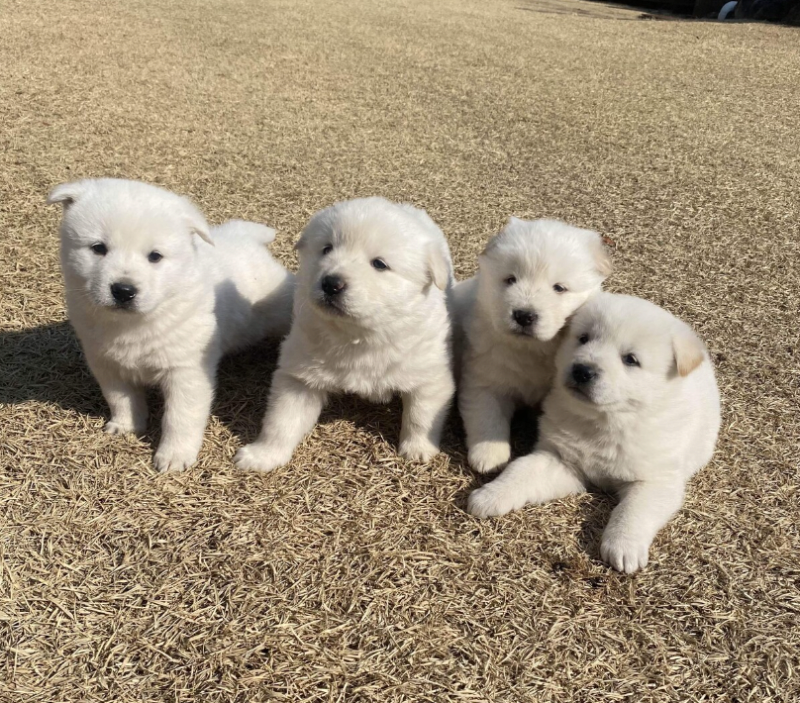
pixel 240 229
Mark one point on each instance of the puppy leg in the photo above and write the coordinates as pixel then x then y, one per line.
pixel 127 402
pixel 292 412
pixel 188 393
pixel 536 478
pixel 487 421
pixel 424 413
pixel 644 508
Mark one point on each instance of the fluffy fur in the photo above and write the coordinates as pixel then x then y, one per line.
pixel 211 291
pixel 542 269
pixel 385 330
pixel 634 410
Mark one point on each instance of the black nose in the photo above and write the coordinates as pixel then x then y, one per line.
pixel 524 318
pixel 333 285
pixel 583 374
pixel 123 292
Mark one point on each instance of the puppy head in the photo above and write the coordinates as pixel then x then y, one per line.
pixel 126 247
pixel 622 352
pixel 369 261
pixel 535 274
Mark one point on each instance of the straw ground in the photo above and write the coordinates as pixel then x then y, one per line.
pixel 351 575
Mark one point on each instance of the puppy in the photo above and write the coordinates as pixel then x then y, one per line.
pixel 634 410
pixel 156 298
pixel 370 318
pixel 532 277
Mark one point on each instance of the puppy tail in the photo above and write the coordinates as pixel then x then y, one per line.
pixel 252 231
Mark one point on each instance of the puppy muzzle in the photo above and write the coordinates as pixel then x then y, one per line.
pixel 580 380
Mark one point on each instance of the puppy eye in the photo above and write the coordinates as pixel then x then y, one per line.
pixel 558 288
pixel 327 249
pixel 630 360
pixel 510 281
pixel 154 257
pixel 583 339
pixel 379 265
pixel 100 249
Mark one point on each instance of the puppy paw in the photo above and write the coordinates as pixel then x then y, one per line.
pixel 115 426
pixel 489 456
pixel 258 457
pixel 418 449
pixel 174 458
pixel 624 552
pixel 494 499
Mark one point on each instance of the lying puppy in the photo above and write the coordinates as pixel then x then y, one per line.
pixel 635 410
pixel 154 304
pixel 370 318
pixel 533 275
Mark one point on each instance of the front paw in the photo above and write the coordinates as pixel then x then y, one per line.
pixel 174 458
pixel 259 457
pixel 624 551
pixel 418 448
pixel 494 499
pixel 118 426
pixel 489 456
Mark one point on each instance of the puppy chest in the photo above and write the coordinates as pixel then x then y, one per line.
pixel 522 375
pixel 145 359
pixel 604 461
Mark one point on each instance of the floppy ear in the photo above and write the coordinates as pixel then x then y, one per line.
pixel 66 193
pixel 688 350
pixel 196 222
pixel 438 266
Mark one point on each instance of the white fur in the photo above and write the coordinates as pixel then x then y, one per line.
pixel 389 332
pixel 210 294
pixel 502 364
pixel 638 431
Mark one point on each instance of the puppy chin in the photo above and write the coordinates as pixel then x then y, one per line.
pixel 545 334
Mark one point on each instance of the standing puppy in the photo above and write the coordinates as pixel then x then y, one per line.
pixel 370 318
pixel 156 298
pixel 533 276
pixel 634 410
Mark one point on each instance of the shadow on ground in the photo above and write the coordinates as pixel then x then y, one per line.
pixel 45 364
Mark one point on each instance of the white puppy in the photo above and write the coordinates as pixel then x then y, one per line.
pixel 532 277
pixel 153 304
pixel 370 318
pixel 634 410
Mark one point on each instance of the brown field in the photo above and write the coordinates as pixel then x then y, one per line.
pixel 351 575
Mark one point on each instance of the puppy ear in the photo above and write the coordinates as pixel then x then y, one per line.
pixel 491 244
pixel 602 258
pixel 438 266
pixel 497 238
pixel 197 223
pixel 66 193
pixel 301 242
pixel 689 351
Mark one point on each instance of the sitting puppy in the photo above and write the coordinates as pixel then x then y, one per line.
pixel 154 304
pixel 634 410
pixel 370 318
pixel 533 276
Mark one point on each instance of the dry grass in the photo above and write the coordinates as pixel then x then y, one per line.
pixel 351 575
